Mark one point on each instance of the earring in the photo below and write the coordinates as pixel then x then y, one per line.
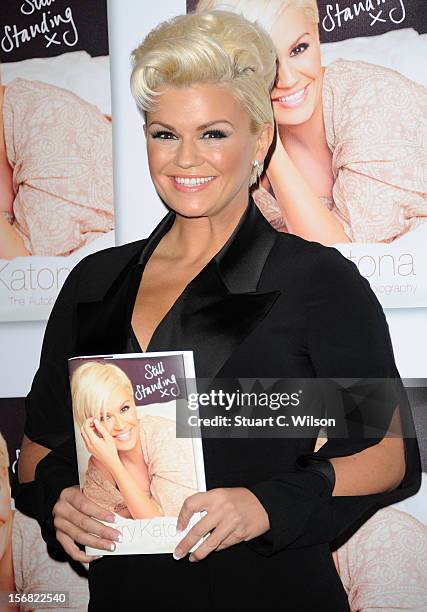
pixel 258 167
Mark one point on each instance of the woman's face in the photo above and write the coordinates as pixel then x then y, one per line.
pixel 201 150
pixel 121 419
pixel 5 510
pixel 298 89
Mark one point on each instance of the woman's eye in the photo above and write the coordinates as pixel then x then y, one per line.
pixel 163 135
pixel 214 134
pixel 299 49
pixel 102 418
pixel 124 408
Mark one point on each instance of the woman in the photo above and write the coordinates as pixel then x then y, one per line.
pixel 211 278
pixel 55 171
pixel 25 566
pixel 132 469
pixel 350 160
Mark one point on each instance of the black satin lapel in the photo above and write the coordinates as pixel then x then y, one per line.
pixel 211 321
pixel 242 258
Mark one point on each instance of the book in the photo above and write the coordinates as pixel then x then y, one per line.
pixel 130 459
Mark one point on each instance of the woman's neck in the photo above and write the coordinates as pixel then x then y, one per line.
pixel 197 240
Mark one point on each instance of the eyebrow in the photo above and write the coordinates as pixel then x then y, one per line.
pixel 298 39
pixel 200 127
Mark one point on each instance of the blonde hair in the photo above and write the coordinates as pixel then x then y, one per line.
pixel 264 12
pixel 211 47
pixel 91 386
pixel 4 454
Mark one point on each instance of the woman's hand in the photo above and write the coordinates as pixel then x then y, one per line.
pixel 233 515
pixel 75 521
pixel 101 445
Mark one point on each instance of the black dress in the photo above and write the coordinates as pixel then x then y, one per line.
pixel 268 305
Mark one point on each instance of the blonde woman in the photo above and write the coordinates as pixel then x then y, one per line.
pixel 215 278
pixel 350 161
pixel 25 565
pixel 133 468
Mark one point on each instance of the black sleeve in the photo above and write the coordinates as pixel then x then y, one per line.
pixel 49 416
pixel 347 337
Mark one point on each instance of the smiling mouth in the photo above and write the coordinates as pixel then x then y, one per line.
pixel 193 180
pixel 124 435
pixel 292 99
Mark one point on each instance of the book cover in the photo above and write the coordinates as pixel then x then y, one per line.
pixel 130 459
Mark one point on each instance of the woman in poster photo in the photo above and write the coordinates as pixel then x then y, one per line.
pixel 25 565
pixel 350 159
pixel 137 467
pixel 211 278
pixel 56 192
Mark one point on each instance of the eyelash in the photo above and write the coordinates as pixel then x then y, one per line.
pixel 122 409
pixel 164 134
pixel 302 46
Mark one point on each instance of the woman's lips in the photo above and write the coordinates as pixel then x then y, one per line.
pixel 124 435
pixel 191 184
pixel 292 100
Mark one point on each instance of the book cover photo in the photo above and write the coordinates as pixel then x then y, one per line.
pixel 130 459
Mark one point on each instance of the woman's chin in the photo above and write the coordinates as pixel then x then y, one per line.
pixel 293 116
pixel 127 444
pixel 191 210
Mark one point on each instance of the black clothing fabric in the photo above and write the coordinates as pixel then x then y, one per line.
pixel 268 305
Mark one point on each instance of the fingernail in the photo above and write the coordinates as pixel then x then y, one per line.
pixel 179 532
pixel 191 558
pixel 177 556
pixel 111 546
pixel 98 557
pixel 119 538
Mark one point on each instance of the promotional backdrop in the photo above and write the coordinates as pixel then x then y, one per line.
pixel 56 158
pixel 384 32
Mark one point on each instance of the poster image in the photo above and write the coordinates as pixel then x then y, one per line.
pixel 349 164
pixel 26 568
pixel 130 459
pixel 56 202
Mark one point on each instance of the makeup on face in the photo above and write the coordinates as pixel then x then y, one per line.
pixel 120 418
pixel 200 149
pixel 297 92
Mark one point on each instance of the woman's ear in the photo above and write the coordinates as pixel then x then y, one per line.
pixel 144 127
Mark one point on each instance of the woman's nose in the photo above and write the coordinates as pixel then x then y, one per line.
pixel 187 155
pixel 118 422
pixel 287 76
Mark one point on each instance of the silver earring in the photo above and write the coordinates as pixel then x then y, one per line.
pixel 258 167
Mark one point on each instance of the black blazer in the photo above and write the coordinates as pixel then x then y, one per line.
pixel 268 305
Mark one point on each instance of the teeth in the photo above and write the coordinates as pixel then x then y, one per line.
pixel 193 181
pixel 123 436
pixel 294 97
